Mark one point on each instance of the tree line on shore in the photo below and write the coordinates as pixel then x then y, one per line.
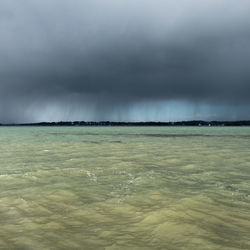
pixel 150 123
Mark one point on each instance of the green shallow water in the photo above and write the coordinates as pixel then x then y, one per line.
pixel 124 188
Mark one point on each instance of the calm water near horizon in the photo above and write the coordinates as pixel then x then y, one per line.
pixel 125 188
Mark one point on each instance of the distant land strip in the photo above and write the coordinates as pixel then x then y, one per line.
pixel 150 123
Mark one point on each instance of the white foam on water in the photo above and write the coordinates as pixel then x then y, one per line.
pixel 92 176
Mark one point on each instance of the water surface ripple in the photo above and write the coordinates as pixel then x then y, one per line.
pixel 125 188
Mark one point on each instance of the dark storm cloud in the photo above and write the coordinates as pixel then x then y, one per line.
pixel 102 55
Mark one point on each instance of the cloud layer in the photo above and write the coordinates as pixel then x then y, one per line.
pixel 92 59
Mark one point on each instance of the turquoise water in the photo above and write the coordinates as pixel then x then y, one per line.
pixel 124 188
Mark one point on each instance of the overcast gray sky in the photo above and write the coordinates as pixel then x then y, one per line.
pixel 124 60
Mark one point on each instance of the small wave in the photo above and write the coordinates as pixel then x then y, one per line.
pixel 3 175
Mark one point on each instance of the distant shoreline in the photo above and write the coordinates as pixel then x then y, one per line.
pixel 156 124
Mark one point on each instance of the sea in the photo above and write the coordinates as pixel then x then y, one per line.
pixel 137 188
